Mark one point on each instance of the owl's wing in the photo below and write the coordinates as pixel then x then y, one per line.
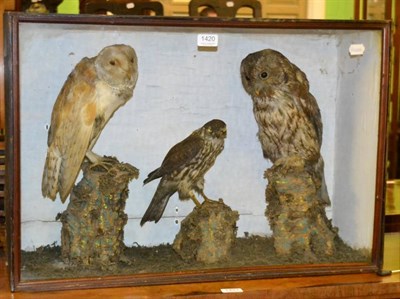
pixel 310 107
pixel 70 132
pixel 306 101
pixel 178 156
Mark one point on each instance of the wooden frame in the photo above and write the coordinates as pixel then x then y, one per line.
pixel 14 171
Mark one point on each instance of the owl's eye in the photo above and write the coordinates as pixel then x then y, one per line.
pixel 112 62
pixel 132 60
pixel 264 75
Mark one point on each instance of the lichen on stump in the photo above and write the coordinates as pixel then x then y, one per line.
pixel 93 224
pixel 296 213
pixel 208 233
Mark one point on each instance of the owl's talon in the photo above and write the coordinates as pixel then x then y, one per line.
pixel 286 164
pixel 105 166
pixel 104 162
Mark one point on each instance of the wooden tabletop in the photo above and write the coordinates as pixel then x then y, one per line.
pixel 336 286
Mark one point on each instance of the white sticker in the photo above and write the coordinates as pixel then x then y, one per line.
pixel 357 49
pixel 130 5
pixel 207 40
pixel 232 290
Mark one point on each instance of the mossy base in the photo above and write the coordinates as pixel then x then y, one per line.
pixel 296 212
pixel 207 234
pixel 93 224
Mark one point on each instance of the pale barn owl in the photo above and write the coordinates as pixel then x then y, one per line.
pixel 93 91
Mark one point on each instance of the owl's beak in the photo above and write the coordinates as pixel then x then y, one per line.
pixel 223 134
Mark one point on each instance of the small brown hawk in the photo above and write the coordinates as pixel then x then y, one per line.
pixel 184 167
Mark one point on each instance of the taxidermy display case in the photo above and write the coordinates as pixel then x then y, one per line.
pixel 151 150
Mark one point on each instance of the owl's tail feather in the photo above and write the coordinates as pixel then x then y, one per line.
pixel 319 168
pixel 51 174
pixel 324 192
pixel 157 206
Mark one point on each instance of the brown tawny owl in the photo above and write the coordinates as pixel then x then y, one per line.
pixel 94 90
pixel 184 167
pixel 287 114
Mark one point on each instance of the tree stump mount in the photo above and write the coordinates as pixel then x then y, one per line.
pixel 208 233
pixel 93 224
pixel 296 212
